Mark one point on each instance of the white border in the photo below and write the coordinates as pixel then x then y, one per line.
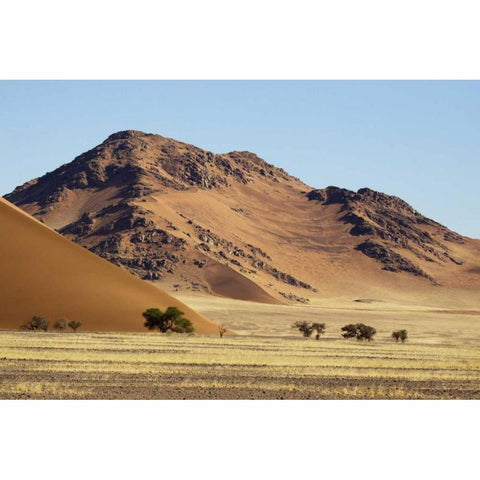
pixel 239 40
pixel 240 439
pixel 252 39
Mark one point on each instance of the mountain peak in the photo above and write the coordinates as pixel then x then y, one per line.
pixel 141 163
pixel 127 134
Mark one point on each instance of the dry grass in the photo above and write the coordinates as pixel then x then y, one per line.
pixel 105 365
pixel 425 323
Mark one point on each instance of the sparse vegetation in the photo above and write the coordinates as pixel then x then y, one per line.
pixel 61 325
pixel 183 325
pixel 320 329
pixel 74 325
pixel 400 335
pixel 305 328
pixel 360 331
pixel 221 330
pixel 171 320
pixel 150 367
pixel 36 323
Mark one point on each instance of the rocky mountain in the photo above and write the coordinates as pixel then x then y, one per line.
pixel 390 223
pixel 235 225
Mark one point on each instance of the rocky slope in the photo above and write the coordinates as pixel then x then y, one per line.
pixel 393 223
pixel 234 225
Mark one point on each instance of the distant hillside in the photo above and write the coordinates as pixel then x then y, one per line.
pixel 235 225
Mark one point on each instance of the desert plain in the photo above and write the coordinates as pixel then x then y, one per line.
pixel 441 359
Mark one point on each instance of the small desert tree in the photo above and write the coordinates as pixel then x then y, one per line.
pixel 360 331
pixel 349 331
pixel 400 335
pixel 61 325
pixel 305 328
pixel 74 325
pixel 171 319
pixel 366 332
pixel 154 320
pixel 37 322
pixel 319 328
pixel 222 330
pixel 183 325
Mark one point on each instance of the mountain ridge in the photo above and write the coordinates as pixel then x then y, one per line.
pixel 172 212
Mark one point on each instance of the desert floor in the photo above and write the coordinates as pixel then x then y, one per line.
pixel 154 366
pixel 425 323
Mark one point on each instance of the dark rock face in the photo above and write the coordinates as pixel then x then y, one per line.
pixel 82 226
pixel 146 252
pixel 392 261
pixel 294 298
pixel 392 221
pixel 126 235
pixel 331 195
pixel 282 276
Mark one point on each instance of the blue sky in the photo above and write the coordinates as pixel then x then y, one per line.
pixel 419 140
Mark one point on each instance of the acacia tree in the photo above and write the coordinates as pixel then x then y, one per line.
pixel 171 319
pixel 74 325
pixel 304 327
pixel 366 332
pixel 360 331
pixel 319 328
pixel 37 322
pixel 61 325
pixel 349 331
pixel 400 335
pixel 222 330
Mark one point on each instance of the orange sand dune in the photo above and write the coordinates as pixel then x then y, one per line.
pixel 224 281
pixel 42 273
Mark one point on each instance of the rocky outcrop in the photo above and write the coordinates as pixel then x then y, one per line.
pixel 392 221
pixel 142 163
pixel 392 261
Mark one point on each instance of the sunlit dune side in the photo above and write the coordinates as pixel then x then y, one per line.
pixel 43 273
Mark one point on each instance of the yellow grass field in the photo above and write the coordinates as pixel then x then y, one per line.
pixel 153 366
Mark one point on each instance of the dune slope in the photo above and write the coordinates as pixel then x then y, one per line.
pixel 43 273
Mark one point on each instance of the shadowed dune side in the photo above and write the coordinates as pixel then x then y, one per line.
pixel 226 282
pixel 42 273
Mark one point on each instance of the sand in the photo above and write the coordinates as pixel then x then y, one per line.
pixel 42 273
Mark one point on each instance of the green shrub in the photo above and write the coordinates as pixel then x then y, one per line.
pixel 183 325
pixel 171 320
pixel 74 325
pixel 304 327
pixel 360 331
pixel 350 331
pixel 400 335
pixel 319 328
pixel 37 322
pixel 61 325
